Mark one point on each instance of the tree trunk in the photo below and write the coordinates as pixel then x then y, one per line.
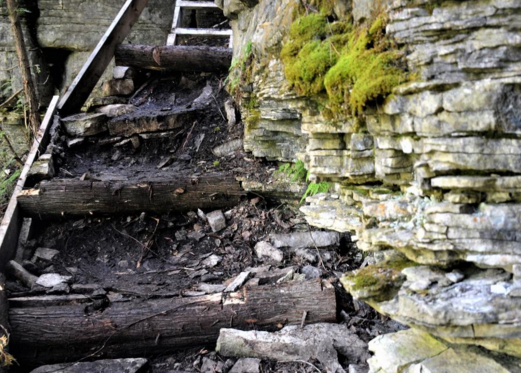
pixel 43 335
pixel 182 193
pixel 25 66
pixel 177 58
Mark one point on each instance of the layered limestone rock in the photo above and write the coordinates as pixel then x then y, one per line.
pixel 428 181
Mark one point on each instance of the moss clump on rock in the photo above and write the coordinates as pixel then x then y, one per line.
pixel 354 66
pixel 378 282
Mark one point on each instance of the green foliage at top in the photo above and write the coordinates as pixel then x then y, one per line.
pixel 366 70
pixel 295 172
pixel 312 50
pixel 354 66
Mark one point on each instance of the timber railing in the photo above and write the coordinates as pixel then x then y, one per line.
pixel 71 103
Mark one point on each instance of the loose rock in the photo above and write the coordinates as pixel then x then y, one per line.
pixel 216 220
pixel 266 250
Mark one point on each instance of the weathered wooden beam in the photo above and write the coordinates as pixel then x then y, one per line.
pixel 182 193
pixel 12 221
pixel 143 328
pixel 175 58
pixel 100 58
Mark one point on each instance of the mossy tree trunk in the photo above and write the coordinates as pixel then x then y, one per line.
pixel 25 66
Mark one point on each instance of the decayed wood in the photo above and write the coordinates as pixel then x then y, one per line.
pixel 12 221
pixel 142 328
pixel 132 124
pixel 182 193
pixel 21 274
pixel 100 58
pixel 4 314
pixel 177 58
pixel 25 66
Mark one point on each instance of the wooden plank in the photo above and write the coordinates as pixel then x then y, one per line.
pixel 154 327
pixel 197 5
pixel 204 32
pixel 67 197
pixel 12 221
pixel 100 58
pixel 175 58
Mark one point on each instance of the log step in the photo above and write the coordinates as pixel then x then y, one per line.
pixel 198 5
pixel 174 58
pixel 142 328
pixel 70 197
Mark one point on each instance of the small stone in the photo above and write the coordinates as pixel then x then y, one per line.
pixel 311 272
pixel 211 289
pixel 85 124
pixel 45 255
pixel 305 254
pixel 237 282
pixel 196 235
pixel 118 87
pixel 266 250
pixel 201 214
pixel 124 72
pixel 286 278
pixel 231 113
pixel 211 366
pixel 71 143
pixel 500 288
pixel 116 110
pixel 216 220
pixel 50 280
pixel 246 365
pixel 455 276
pixel 211 261
pixel 516 269
pixel 305 239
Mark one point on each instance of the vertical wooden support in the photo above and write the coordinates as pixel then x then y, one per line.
pixel 12 221
pixel 100 58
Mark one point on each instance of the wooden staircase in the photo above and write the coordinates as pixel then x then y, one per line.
pixel 202 32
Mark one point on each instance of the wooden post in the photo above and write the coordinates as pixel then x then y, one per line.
pixel 98 61
pixel 12 221
pixel 25 66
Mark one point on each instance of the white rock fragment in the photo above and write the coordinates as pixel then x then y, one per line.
pixel 216 220
pixel 212 261
pixel 238 282
pixel 305 239
pixel 246 365
pixel 50 280
pixel 266 250
pixel 211 288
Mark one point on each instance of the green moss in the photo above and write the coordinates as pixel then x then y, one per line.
pixel 353 66
pixel 380 281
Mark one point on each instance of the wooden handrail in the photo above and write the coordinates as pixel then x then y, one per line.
pixel 81 88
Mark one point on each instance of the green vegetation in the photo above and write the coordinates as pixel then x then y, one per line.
pixel 349 66
pixel 315 188
pixel 216 163
pixel 297 173
pixel 240 71
pixel 381 280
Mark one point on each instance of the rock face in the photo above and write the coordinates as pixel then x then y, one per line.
pixel 429 181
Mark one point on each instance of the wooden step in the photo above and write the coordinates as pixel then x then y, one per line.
pixel 197 5
pixel 200 32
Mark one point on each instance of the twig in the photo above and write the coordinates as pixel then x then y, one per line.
pixel 218 108
pixel 305 362
pixel 10 146
pixel 188 136
pixel 316 247
pixel 8 101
